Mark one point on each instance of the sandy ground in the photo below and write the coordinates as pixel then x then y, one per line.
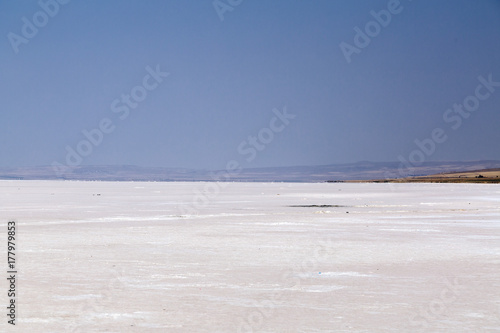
pixel 235 257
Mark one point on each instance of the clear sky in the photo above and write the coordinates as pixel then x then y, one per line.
pixel 360 85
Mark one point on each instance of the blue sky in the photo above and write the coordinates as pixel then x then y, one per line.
pixel 225 78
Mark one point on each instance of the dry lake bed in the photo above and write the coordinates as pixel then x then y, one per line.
pixel 251 257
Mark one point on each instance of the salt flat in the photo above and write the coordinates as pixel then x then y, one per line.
pixel 253 257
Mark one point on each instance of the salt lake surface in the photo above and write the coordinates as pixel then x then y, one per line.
pixel 252 257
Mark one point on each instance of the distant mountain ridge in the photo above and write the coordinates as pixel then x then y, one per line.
pixel 334 172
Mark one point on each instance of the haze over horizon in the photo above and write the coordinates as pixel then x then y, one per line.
pixel 267 84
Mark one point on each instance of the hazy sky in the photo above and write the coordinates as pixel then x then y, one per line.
pixel 360 85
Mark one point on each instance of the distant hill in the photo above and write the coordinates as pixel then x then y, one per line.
pixel 320 173
pixel 475 176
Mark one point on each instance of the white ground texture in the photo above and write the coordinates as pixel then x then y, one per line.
pixel 235 257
